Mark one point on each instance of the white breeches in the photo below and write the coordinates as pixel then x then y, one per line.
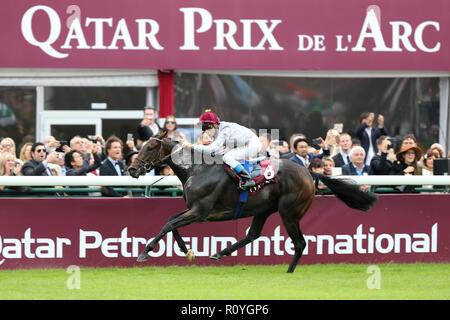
pixel 250 150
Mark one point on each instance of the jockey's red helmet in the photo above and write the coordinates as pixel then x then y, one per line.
pixel 209 117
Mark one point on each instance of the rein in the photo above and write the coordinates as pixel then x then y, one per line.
pixel 149 166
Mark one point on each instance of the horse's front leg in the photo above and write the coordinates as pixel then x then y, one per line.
pixel 181 244
pixel 253 234
pixel 180 220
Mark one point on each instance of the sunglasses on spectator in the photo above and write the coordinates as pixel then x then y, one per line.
pixel 170 122
pixel 7 145
pixel 40 150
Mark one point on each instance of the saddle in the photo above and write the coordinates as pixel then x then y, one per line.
pixel 263 172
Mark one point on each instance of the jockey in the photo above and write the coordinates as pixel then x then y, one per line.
pixel 240 143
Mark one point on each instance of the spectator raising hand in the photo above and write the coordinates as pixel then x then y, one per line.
pixel 367 134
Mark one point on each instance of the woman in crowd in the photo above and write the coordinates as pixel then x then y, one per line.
pixel 407 165
pixel 407 162
pixel 438 151
pixel 7 168
pixel 427 164
pixel 7 164
pixel 25 152
pixel 170 124
pixel 8 145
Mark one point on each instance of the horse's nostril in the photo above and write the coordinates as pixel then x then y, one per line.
pixel 133 172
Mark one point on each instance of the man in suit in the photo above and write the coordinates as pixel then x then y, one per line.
pixel 356 167
pixel 345 145
pixel 38 164
pixel 112 165
pixel 303 157
pixel 291 152
pixel 368 135
pixel 148 127
pixel 380 164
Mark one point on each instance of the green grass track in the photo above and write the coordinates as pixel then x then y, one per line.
pixel 332 281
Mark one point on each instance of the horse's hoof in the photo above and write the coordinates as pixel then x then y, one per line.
pixel 143 257
pixel 190 255
pixel 215 256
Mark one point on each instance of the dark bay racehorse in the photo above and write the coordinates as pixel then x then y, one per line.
pixel 211 194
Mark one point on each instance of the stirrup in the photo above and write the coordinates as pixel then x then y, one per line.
pixel 248 183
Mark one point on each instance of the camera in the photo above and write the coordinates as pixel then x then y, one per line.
pixel 339 127
pixel 316 141
pixel 61 145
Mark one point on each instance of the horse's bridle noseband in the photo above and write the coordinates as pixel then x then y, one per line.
pixel 158 161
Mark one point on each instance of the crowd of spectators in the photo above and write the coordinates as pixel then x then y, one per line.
pixel 368 149
pixel 81 156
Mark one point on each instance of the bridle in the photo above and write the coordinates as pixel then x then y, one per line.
pixel 157 162
pixel 149 166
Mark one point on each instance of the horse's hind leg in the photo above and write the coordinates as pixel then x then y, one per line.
pixel 182 219
pixel 291 216
pixel 294 232
pixel 253 233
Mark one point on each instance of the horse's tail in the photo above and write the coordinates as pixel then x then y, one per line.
pixel 347 191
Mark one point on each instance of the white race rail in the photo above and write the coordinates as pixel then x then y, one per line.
pixel 159 181
pixel 90 181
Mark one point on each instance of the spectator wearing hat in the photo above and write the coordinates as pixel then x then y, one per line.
pixel 407 162
pixel 407 165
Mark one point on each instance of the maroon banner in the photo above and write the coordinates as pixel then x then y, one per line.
pixel 41 233
pixel 233 34
pixel 166 93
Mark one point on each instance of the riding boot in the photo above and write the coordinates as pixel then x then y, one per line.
pixel 248 182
